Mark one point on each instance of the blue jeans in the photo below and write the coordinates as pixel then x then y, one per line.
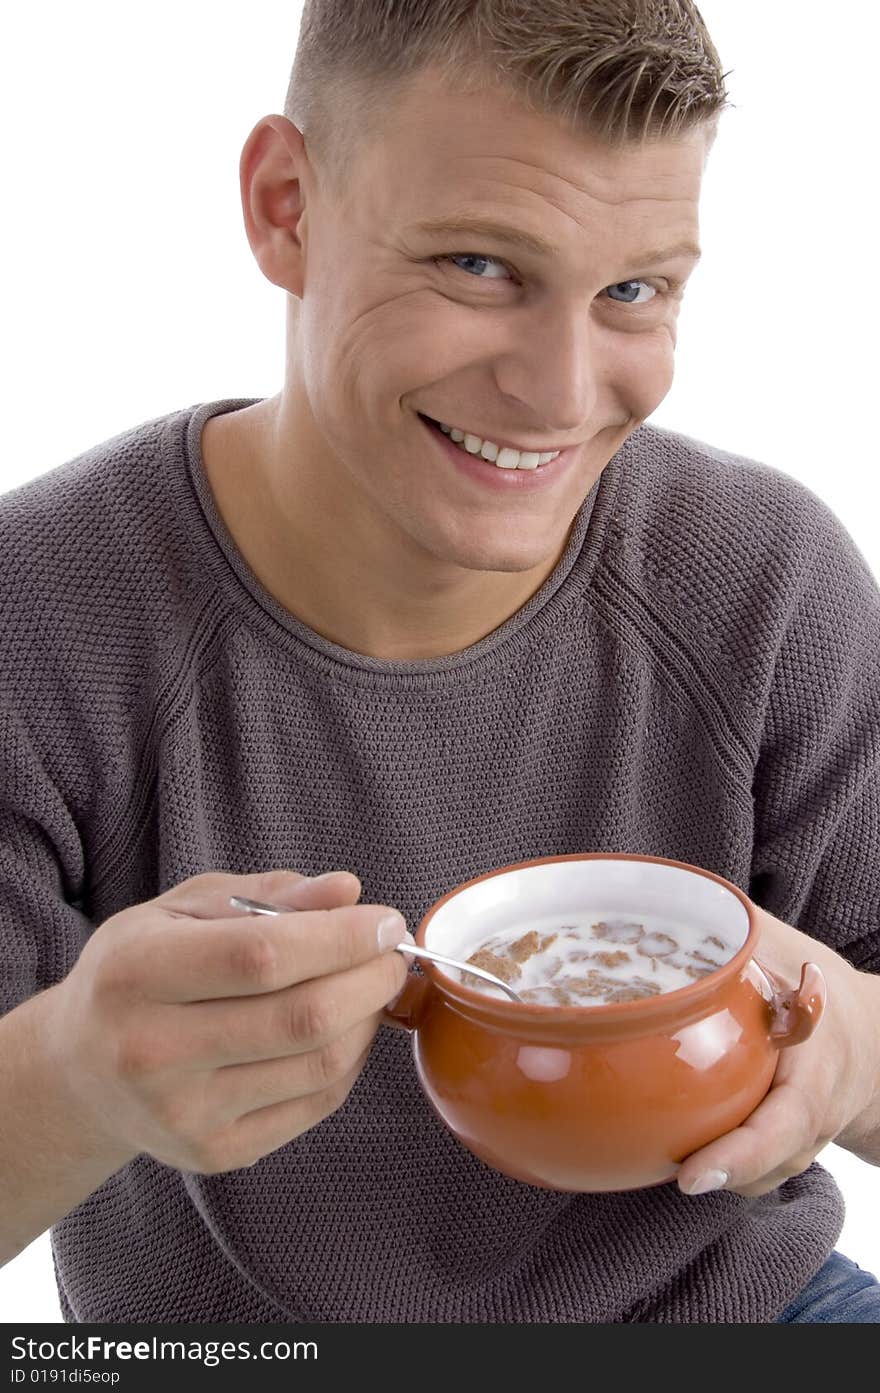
pixel 841 1291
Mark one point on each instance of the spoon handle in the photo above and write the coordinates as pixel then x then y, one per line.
pixel 258 907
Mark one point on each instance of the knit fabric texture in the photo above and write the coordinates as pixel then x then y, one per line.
pixel 697 679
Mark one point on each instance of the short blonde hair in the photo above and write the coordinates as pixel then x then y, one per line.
pixel 625 71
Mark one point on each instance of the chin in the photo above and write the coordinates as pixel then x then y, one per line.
pixel 500 555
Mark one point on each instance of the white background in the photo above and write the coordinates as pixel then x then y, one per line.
pixel 129 289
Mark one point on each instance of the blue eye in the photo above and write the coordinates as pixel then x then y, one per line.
pixel 472 256
pixel 625 285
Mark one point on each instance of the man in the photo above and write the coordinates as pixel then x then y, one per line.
pixel 443 604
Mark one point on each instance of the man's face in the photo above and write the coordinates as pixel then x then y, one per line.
pixel 574 347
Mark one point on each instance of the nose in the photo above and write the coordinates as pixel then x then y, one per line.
pixel 553 371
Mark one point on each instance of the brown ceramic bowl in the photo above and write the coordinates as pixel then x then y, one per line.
pixel 608 1097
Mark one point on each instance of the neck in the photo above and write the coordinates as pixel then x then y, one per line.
pixel 324 552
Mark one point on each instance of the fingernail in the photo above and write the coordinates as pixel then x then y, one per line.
pixel 326 876
pixel 709 1180
pixel 392 930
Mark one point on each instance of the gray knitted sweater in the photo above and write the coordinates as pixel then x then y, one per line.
pixel 697 679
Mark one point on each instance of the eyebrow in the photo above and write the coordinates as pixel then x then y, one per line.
pixel 529 241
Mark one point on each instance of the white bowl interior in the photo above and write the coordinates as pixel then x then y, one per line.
pixel 512 899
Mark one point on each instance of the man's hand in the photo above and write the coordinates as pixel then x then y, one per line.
pixel 207 1037
pixel 825 1089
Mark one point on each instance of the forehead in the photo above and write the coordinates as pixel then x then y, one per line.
pixel 440 151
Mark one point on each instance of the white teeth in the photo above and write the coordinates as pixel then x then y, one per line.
pixel 502 457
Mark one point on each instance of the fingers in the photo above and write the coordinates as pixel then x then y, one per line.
pixel 207 896
pixel 198 960
pixel 306 1017
pixel 242 1088
pixel 264 1130
pixel 776 1141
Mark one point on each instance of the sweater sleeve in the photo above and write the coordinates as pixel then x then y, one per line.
pixel 816 790
pixel 42 926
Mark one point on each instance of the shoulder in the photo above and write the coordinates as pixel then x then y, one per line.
pixel 83 540
pixel 710 505
pixel 52 522
pixel 727 548
pixel 95 573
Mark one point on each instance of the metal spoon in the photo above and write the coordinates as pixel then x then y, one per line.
pixel 257 907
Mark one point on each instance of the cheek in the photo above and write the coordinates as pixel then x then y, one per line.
pixel 378 355
pixel 645 369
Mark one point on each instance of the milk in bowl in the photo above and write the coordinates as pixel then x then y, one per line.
pixel 599 959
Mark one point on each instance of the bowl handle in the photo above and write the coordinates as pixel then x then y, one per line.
pixel 796 1011
pixel 406 1012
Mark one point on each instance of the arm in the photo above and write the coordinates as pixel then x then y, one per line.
pixel 816 871
pixel 862 1135
pixel 50 1160
pixel 191 1033
pixel 825 1089
pixel 180 1027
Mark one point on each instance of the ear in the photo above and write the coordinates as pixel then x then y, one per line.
pixel 272 170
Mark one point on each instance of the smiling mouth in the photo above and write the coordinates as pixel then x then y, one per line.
pixel 504 457
pixel 500 457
